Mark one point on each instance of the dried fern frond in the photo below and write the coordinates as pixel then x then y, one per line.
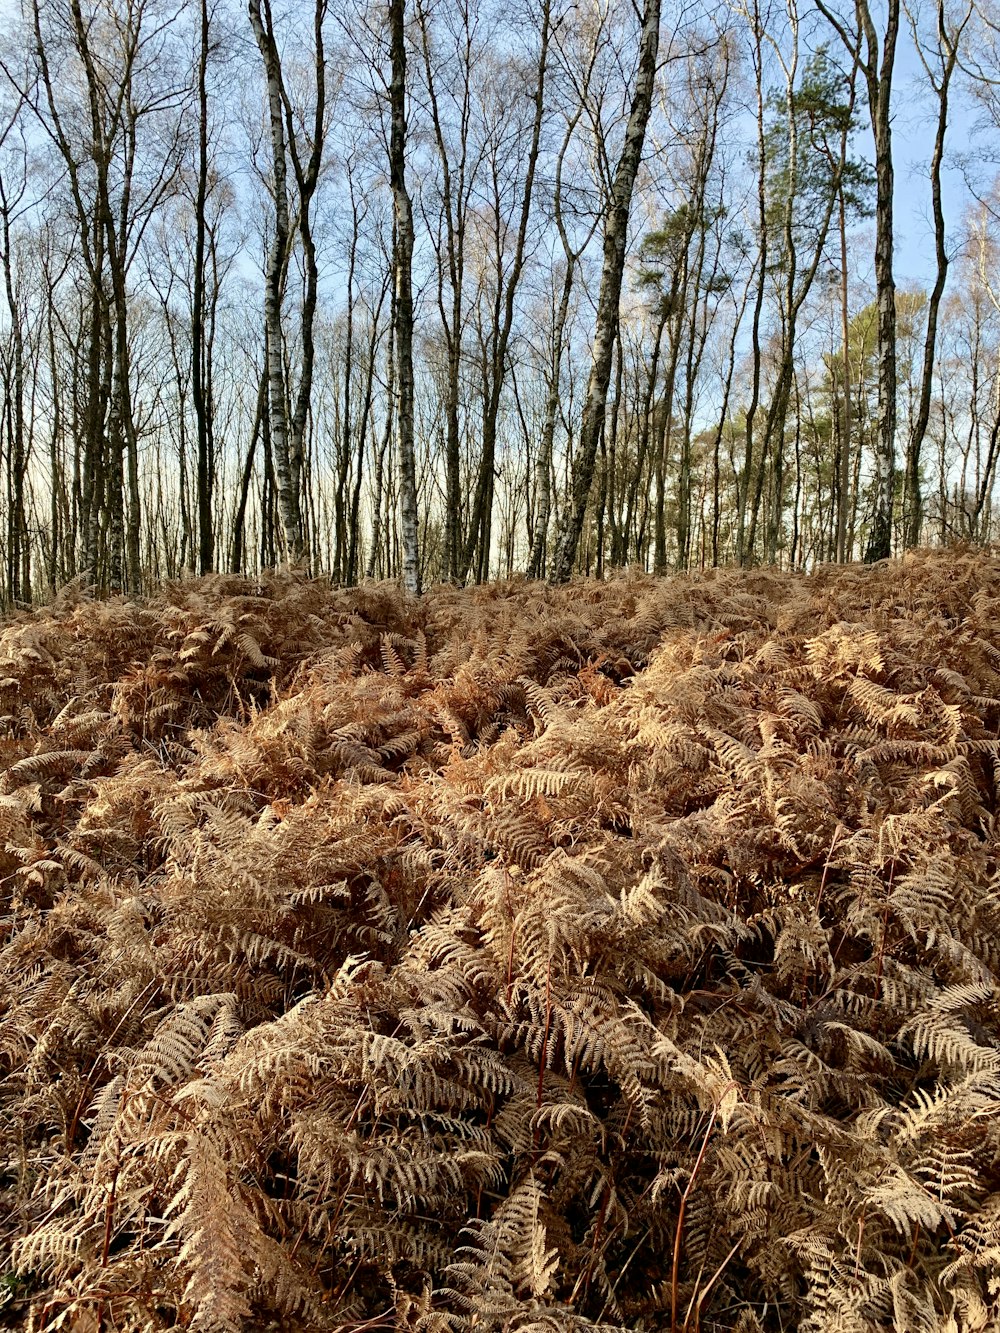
pixel 613 956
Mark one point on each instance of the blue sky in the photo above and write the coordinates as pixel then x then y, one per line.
pixel 914 123
pixel 913 130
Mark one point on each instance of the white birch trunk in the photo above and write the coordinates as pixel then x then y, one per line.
pixel 615 235
pixel 289 500
pixel 403 263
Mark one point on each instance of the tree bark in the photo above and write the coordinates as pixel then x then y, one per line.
pixel 745 474
pixel 403 263
pixel 878 71
pixel 289 498
pixel 482 507
pixel 879 94
pixel 844 454
pixel 206 538
pixel 948 49
pixel 609 297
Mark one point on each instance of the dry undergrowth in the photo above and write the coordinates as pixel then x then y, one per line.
pixel 512 959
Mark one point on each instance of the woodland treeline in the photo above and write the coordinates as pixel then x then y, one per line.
pixel 440 289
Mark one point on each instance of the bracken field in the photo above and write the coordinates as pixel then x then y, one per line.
pixel 619 955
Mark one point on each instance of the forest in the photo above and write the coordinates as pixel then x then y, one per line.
pixel 442 290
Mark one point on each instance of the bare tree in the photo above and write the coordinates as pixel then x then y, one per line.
pixel 939 65
pixel 615 236
pixel 477 545
pixel 304 152
pixel 403 267
pixel 13 189
pixel 199 370
pixel 876 59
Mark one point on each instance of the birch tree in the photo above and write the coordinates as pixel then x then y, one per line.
pixel 940 59
pixel 609 297
pixel 403 313
pixel 877 58
pixel 303 152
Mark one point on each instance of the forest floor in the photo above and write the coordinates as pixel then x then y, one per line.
pixel 514 958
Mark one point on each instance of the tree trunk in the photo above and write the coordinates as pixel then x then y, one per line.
pixel 206 539
pixel 482 507
pixel 913 501
pixel 878 77
pixel 239 520
pixel 879 93
pixel 745 473
pixel 844 454
pixel 615 236
pixel 543 462
pixel 289 499
pixel 403 262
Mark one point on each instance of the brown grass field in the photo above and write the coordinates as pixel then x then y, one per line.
pixel 621 955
